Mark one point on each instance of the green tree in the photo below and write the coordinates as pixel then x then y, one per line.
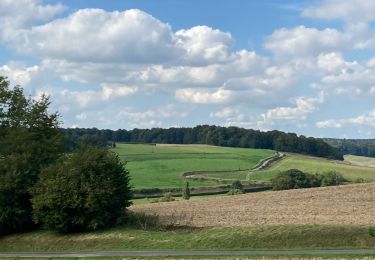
pixel 29 140
pixel 294 179
pixel 186 191
pixel 86 190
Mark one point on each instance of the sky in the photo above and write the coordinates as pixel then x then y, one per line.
pixel 297 66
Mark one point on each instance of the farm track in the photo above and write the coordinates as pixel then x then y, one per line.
pixel 200 175
pixel 347 204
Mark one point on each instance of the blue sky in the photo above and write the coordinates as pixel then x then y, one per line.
pixel 299 66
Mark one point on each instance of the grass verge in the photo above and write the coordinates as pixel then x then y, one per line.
pixel 233 238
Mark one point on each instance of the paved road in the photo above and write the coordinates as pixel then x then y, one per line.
pixel 193 252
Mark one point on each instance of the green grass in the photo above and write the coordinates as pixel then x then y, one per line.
pixel 360 160
pixel 153 166
pixel 314 165
pixel 235 238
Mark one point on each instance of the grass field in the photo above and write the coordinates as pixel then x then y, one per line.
pixel 252 237
pixel 160 166
pixel 314 165
pixel 360 160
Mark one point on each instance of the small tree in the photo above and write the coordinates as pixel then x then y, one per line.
pixel 186 191
pixel 86 190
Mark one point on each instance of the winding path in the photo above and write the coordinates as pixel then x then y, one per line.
pixel 263 164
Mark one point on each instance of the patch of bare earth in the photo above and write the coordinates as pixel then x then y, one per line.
pixel 348 204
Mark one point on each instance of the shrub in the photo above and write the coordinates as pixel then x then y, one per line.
pixel 331 178
pixel 371 231
pixel 86 190
pixel 234 192
pixel 293 179
pixel 237 185
pixel 186 191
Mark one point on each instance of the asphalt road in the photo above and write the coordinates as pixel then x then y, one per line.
pixel 194 252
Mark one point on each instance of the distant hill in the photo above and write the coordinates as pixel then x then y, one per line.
pixel 361 147
pixel 211 135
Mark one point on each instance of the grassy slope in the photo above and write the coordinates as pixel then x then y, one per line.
pixel 161 166
pixel 314 165
pixel 360 160
pixel 254 237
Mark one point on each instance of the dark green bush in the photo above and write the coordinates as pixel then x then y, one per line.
pixel 86 190
pixel 294 179
pixel 237 185
pixel 235 192
pixel 331 178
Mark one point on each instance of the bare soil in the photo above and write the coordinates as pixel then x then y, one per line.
pixel 348 204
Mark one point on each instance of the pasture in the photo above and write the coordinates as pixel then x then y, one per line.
pixel 314 165
pixel 360 160
pixel 161 166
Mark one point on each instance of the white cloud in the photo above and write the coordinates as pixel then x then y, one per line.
pixel 94 35
pixel 19 74
pixel 303 41
pixel 204 44
pixel 348 10
pixel 204 96
pixel 330 62
pixel 150 118
pixel 303 107
pixel 23 14
pixel 367 119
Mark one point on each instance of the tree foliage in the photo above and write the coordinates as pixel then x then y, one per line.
pixel 29 140
pixel 86 190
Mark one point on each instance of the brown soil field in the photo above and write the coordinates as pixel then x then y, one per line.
pixel 347 204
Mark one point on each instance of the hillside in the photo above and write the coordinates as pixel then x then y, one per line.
pixel 161 166
pixel 348 204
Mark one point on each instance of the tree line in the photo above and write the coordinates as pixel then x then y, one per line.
pixel 210 135
pixel 360 147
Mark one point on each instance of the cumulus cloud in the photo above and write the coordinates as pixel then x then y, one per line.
pixel 303 107
pixel 204 96
pixel 19 15
pixel 304 41
pixel 19 74
pixel 204 44
pixel 353 10
pixel 367 119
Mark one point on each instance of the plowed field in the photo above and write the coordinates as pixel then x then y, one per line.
pixel 348 204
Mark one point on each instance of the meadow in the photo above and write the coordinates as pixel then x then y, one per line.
pixel 161 166
pixel 353 168
pixel 314 165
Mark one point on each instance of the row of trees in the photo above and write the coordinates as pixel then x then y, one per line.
pixel 214 135
pixel 361 147
pixel 43 184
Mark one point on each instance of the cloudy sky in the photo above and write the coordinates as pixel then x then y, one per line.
pixel 298 66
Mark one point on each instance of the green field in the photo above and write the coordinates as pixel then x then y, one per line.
pixel 314 165
pixel 159 166
pixel 252 237
pixel 360 160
